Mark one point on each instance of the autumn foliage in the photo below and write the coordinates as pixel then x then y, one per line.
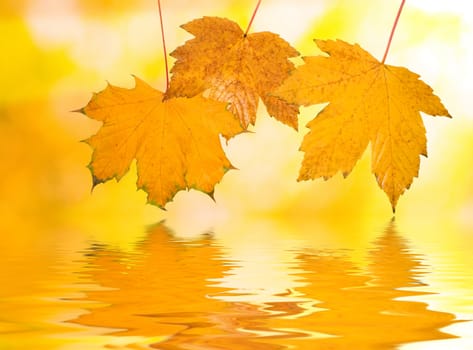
pixel 175 136
pixel 175 142
pixel 235 68
pixel 370 103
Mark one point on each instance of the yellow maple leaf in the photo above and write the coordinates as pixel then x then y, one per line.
pixel 234 68
pixel 175 142
pixel 370 102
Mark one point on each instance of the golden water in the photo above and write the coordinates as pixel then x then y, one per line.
pixel 165 292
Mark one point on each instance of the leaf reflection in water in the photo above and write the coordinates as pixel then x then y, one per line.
pixel 165 292
pixel 364 309
pixel 171 293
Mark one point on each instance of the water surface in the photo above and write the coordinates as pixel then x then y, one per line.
pixel 165 292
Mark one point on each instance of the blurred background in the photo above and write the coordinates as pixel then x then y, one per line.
pixel 56 53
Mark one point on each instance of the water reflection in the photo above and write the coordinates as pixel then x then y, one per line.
pixel 165 293
pixel 363 309
pixel 170 294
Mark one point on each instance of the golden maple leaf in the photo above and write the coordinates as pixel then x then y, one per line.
pixel 370 102
pixel 235 68
pixel 175 142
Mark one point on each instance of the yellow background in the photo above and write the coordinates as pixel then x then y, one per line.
pixel 56 53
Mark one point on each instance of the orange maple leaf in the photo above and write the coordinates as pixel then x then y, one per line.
pixel 370 102
pixel 235 68
pixel 175 142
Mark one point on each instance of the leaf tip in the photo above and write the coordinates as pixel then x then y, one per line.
pixel 138 81
pixel 150 200
pixel 86 141
pixel 302 176
pixel 211 194
pixel 156 204
pixel 230 167
pixel 95 181
pixel 393 199
pixel 79 110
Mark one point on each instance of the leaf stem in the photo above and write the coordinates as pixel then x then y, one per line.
pixel 252 17
pixel 392 31
pixel 164 44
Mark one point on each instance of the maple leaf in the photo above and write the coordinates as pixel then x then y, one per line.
pixel 176 142
pixel 369 102
pixel 234 68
